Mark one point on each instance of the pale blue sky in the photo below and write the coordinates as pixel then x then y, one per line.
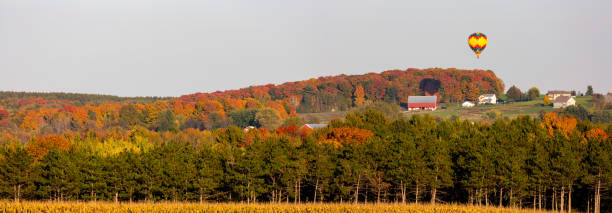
pixel 170 48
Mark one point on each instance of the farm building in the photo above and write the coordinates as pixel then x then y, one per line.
pixel 312 126
pixel 246 129
pixel 467 104
pixel 564 101
pixel 487 99
pixel 422 103
pixel 554 94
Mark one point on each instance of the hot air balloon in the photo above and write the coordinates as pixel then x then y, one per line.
pixel 478 42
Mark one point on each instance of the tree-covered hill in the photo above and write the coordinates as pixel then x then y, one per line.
pixel 30 114
pixel 333 93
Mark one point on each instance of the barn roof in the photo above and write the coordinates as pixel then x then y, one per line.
pixel 558 92
pixel 314 126
pixel 422 99
pixel 562 99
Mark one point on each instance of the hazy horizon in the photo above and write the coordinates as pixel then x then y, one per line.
pixel 164 48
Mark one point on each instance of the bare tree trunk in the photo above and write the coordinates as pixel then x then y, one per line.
pixel 539 199
pixel 501 195
pixel 511 204
pixel 116 197
pixel 403 189
pixel 486 194
pixel 315 191
pixel 378 194
pixel 562 198
pixel 296 192
pixel 597 194
pixel 357 189
pixel 479 196
pixel 589 205
pixel 417 192
pixel 471 199
pixel 433 195
pixel 299 190
pixel 534 200
pixel 569 198
pixel 554 201
pixel 248 192
pixel 365 193
pixel 200 195
pixel 433 192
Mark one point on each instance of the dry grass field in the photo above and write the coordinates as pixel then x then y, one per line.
pixel 6 206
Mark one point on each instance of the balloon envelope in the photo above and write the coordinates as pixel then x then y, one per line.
pixel 477 41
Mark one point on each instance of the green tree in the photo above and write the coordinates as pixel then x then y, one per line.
pixel 215 121
pixel 589 91
pixel 243 117
pixel 598 163
pixel 128 116
pixel 166 121
pixel 437 149
pixel 15 170
pixel 320 167
pixel 601 117
pixel 60 178
pixel 209 172
pixel 578 111
pixel 533 93
pixel 268 118
pixel 91 167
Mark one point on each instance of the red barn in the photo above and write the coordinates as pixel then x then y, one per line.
pixel 422 103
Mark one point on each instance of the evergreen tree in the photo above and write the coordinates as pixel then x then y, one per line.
pixel 589 91
pixel 15 170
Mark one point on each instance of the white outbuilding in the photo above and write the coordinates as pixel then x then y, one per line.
pixel 467 104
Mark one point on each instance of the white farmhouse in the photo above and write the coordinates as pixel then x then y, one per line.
pixel 487 99
pixel 564 101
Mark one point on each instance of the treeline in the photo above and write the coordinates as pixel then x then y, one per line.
pixel 557 162
pixel 30 114
pixel 15 101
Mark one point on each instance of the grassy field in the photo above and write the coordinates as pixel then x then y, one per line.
pixel 477 113
pixel 511 110
pixel 238 207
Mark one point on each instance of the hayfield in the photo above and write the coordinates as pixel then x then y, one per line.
pixel 6 206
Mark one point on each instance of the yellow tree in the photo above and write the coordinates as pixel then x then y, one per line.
pixel 564 125
pixel 359 96
pixel 546 100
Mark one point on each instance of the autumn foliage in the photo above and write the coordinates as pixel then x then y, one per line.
pixel 561 124
pixel 33 114
pixel 41 145
pixel 596 134
pixel 347 135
